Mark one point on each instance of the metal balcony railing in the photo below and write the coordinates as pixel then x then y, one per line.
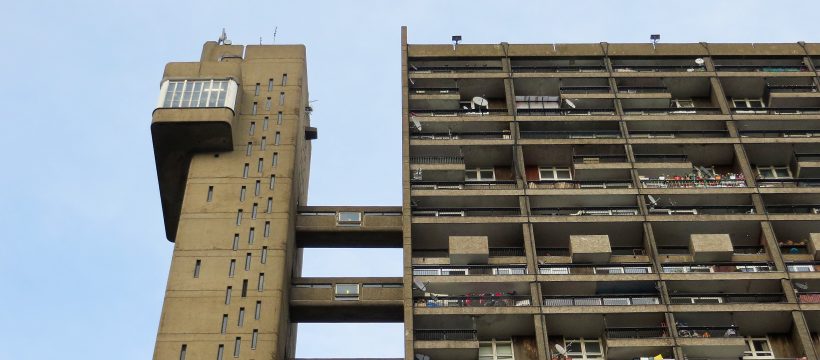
pixel 780 133
pixel 434 91
pixel 457 112
pixel 601 300
pixel 598 158
pixel 580 184
pixel 724 267
pixel 608 269
pixel 761 68
pixel 605 89
pixel 444 334
pixel 461 270
pixel 436 160
pixel 474 135
pixel 684 249
pixel 558 68
pixel 659 134
pixel 567 111
pixel 805 182
pixel 642 89
pixel 431 253
pixel 807 156
pixel 692 183
pixel 702 210
pixel 749 249
pixel 708 331
pixel 793 209
pixel 463 185
pixel 597 134
pixel 472 211
pixel 551 251
pixel 668 158
pixel 485 300
pixel 725 298
pixel 628 250
pixel 445 69
pixel 657 68
pixel 777 111
pixel 791 88
pixel 672 111
pixel 506 251
pixel 648 332
pixel 587 211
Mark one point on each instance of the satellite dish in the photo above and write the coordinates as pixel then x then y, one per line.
pixel 416 123
pixel 480 101
pixel 419 284
pixel 422 357
pixel 699 61
pixel 560 349
pixel 570 103
pixel 801 286
pixel 653 201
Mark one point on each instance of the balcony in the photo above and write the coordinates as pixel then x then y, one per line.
pixel 474 135
pixel 463 185
pixel 600 134
pixel 566 111
pixel 725 298
pixel 585 89
pixel 793 209
pixel 629 65
pixel 807 133
pixel 777 111
pixel 580 269
pixel 456 344
pixel 725 267
pixel 648 332
pixel 466 212
pixel 702 210
pixel 581 184
pixel 688 182
pixel 557 65
pixel 602 300
pixel 466 270
pixel 458 112
pixel 483 300
pixel 586 211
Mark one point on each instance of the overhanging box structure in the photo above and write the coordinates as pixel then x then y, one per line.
pixel 620 200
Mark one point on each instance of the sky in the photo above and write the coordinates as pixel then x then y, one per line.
pixel 83 255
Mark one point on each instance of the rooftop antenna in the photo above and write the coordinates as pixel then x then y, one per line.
pixel 222 38
pixel 456 40
pixel 274 33
pixel 260 40
pixel 654 38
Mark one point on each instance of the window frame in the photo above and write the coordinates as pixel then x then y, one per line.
pixel 346 296
pixel 478 176
pixel 555 170
pixel 747 103
pixel 493 345
pixel 584 354
pixel 773 170
pixel 172 95
pixel 752 353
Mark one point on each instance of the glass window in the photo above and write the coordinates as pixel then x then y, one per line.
pixel 684 103
pixel 197 266
pixel 495 350
pixel 583 348
pixel 758 348
pixel 774 172
pixel 479 174
pixel 197 93
pixel 553 173
pixel 347 291
pixel 349 217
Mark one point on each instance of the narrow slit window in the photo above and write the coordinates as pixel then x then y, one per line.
pixel 224 328
pixel 228 295
pixel 241 320
pixel 210 193
pixel 246 170
pixel 272 182
pixel 252 128
pixel 251 234
pixel 270 85
pixel 257 188
pixel 236 344
pixel 197 266
pixel 238 217
pixel 257 314
pixel 267 229
pixel 264 257
pixel 267 104
pixel 254 338
pixel 263 143
pixel 242 192
pixel 269 208
pixel 284 79
pixel 260 284
pixel 235 245
pixel 265 123
pixel 282 98
pixel 254 108
pixel 275 160
pixel 220 352
pixel 245 288
pixel 260 165
pixel 232 268
pixel 279 118
pixel 249 148
pixel 256 90
pixel 248 257
pixel 254 210
pixel 277 138
pixel 183 351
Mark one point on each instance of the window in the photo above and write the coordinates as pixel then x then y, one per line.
pixel 800 268
pixel 263 143
pixel 197 94
pixel 248 261
pixel 254 338
pixel 220 351
pixel 245 288
pixel 758 348
pixel 266 232
pixel 773 172
pixel 349 218
pixel 256 90
pixel 224 328
pixel 275 159
pixel 279 118
pixel 249 148
pixel 210 196
pixel 264 257
pixel 479 174
pixel 495 350
pixel 270 85
pixel 238 217
pixel 347 291
pixel 265 123
pixel 245 170
pixel 252 128
pixel 253 109
pixel 282 98
pixel 269 208
pixel 260 165
pixel 228 295
pixel 236 344
pixel 748 106
pixel 254 210
pixel 183 351
pixel 583 348
pixel 284 79
pixel 257 187
pixel 257 314
pixel 242 193
pixel 260 284
pixel 554 173
pixel 197 265
pixel 267 104
pixel 232 268
pixel 277 138
pixel 235 245
pixel 683 103
pixel 508 271
pixel 272 181
pixel 241 318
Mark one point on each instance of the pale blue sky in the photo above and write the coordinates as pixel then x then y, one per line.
pixel 84 258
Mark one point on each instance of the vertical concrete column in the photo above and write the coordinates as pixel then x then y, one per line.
pixel 407 266
pixel 803 336
pixel 542 336
pixel 772 249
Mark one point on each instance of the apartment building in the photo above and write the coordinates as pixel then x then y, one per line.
pixel 583 201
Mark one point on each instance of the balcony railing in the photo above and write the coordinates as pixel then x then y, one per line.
pixel 444 334
pixel 692 183
pixel 761 68
pixel 587 211
pixel 457 112
pixel 609 269
pixel 581 184
pixel 667 158
pixel 460 270
pixel 780 133
pixel 506 251
pixel 777 111
pixel 807 156
pixel 445 69
pixel 628 250
pixel 434 91
pixel 802 266
pixel 748 249
pixel 660 134
pixel 793 209
pixel 558 68
pixel 494 252
pixel 672 111
pixel 473 211
pixel 726 267
pixel 474 135
pixel 642 89
pixel 598 158
pixel 484 300
pixel 463 185
pixel 436 160
pixel 806 182
pixel 703 210
pixel 657 68
pixel 791 88
pixel 708 331
pixel 684 249
pixel 808 297
pixel 552 251
pixel 584 89
pixel 601 300
pixel 598 134
pixel 794 249
pixel 725 298
pixel 566 111
pixel 637 332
